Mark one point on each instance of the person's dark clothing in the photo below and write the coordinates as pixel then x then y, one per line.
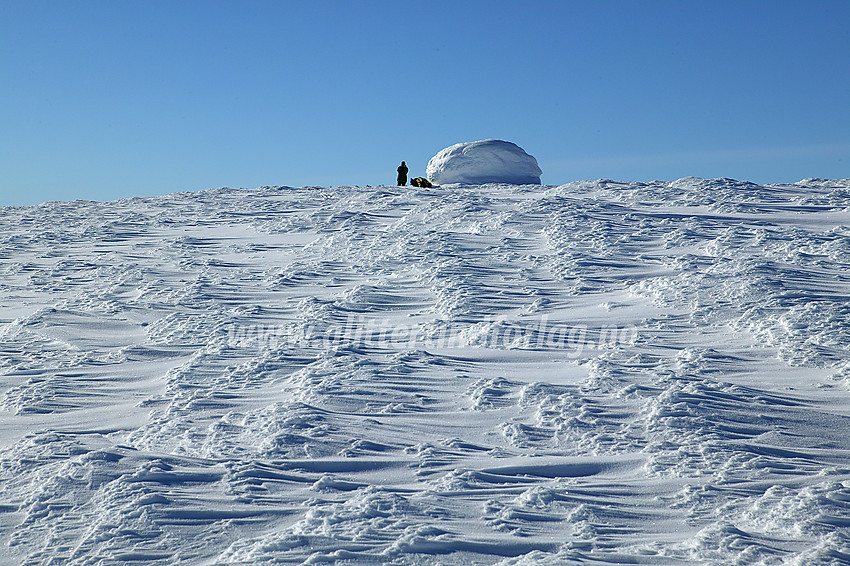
pixel 402 174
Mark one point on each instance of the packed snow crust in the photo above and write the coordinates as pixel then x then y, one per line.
pixel 486 161
pixel 595 373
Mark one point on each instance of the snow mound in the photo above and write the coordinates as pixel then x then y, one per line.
pixel 486 161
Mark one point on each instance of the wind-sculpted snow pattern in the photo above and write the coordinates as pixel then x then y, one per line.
pixel 594 373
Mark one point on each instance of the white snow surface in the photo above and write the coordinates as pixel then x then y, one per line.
pixel 595 373
pixel 485 161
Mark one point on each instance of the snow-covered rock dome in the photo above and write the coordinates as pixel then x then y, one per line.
pixel 486 161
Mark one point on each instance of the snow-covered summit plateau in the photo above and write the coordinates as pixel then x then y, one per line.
pixel 596 373
pixel 485 161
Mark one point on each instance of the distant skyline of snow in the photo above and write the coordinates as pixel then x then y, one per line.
pixel 106 100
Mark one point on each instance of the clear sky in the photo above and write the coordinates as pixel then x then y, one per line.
pixel 108 99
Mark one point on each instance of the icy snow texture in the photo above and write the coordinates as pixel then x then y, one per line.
pixel 597 373
pixel 486 161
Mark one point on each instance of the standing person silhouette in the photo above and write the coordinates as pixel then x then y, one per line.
pixel 402 174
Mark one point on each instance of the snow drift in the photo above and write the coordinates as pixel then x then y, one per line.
pixel 486 161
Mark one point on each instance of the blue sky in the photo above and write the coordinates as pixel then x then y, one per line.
pixel 112 99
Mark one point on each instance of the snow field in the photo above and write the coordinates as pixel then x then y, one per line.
pixel 595 373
